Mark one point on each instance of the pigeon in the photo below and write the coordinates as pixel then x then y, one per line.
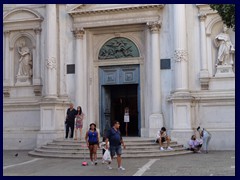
pixel 16 155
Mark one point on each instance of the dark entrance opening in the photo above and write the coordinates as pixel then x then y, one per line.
pixel 123 96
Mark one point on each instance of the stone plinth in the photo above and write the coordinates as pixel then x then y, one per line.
pixel 224 71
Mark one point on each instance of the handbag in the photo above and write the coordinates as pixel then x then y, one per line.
pixel 107 156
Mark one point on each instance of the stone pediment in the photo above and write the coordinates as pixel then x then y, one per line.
pixel 21 14
pixel 99 15
pixel 21 19
pixel 82 9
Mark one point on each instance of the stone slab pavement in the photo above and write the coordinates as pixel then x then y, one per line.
pixel 215 163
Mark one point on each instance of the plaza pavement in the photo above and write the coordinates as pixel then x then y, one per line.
pixel 215 163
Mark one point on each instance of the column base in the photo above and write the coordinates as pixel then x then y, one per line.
pixel 182 136
pixel 45 136
pixel 155 123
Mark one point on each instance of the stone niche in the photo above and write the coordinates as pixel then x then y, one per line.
pixel 22 32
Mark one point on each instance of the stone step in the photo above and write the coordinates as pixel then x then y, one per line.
pixel 99 151
pixel 136 147
pixel 81 156
pixel 156 146
pixel 126 139
pixel 62 143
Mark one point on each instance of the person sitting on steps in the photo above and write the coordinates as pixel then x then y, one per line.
pixel 162 137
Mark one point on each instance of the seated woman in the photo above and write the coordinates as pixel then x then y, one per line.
pixel 162 137
pixel 195 144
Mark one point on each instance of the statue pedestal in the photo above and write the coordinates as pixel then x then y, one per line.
pixel 23 81
pixel 224 71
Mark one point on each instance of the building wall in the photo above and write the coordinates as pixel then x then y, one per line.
pixel 41 119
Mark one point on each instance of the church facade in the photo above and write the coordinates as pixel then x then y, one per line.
pixel 170 65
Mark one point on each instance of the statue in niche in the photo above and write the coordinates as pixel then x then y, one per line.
pixel 226 49
pixel 25 62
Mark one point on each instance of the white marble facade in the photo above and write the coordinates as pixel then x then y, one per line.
pixel 41 40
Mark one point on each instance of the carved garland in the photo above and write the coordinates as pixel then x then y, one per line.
pixel 51 63
pixel 180 55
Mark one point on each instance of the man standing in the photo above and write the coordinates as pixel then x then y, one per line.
pixel 115 139
pixel 71 113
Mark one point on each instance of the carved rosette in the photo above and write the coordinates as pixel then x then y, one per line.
pixel 180 55
pixel 51 63
pixel 202 16
pixel 154 26
pixel 78 33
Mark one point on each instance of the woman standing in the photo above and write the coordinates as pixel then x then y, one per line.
pixel 79 122
pixel 92 140
pixel 206 137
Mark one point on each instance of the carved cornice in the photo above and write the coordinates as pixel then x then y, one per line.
pixel 81 11
pixel 205 9
pixel 154 26
pixel 180 55
pixel 78 33
pixel 51 63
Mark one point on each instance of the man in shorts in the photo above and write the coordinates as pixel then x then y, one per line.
pixel 162 137
pixel 115 140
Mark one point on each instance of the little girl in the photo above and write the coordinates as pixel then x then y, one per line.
pixel 103 146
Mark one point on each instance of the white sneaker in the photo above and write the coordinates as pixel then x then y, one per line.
pixel 91 163
pixel 121 168
pixel 109 167
pixel 161 149
pixel 169 148
pixel 95 162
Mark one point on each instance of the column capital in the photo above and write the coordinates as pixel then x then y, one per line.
pixel 7 32
pixel 78 32
pixel 180 55
pixel 37 30
pixel 202 16
pixel 154 25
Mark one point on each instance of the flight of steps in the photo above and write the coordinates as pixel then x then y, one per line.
pixel 136 147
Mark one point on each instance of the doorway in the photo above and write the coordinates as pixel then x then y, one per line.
pixel 117 98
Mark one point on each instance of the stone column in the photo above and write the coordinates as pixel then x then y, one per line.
pixel 6 66
pixel 6 60
pixel 37 65
pixel 52 113
pixel 51 52
pixel 79 69
pixel 180 48
pixel 204 74
pixel 36 61
pixel 156 118
pixel 181 98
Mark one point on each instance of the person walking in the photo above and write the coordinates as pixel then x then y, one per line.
pixel 92 140
pixel 79 122
pixel 115 141
pixel 71 113
pixel 206 137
